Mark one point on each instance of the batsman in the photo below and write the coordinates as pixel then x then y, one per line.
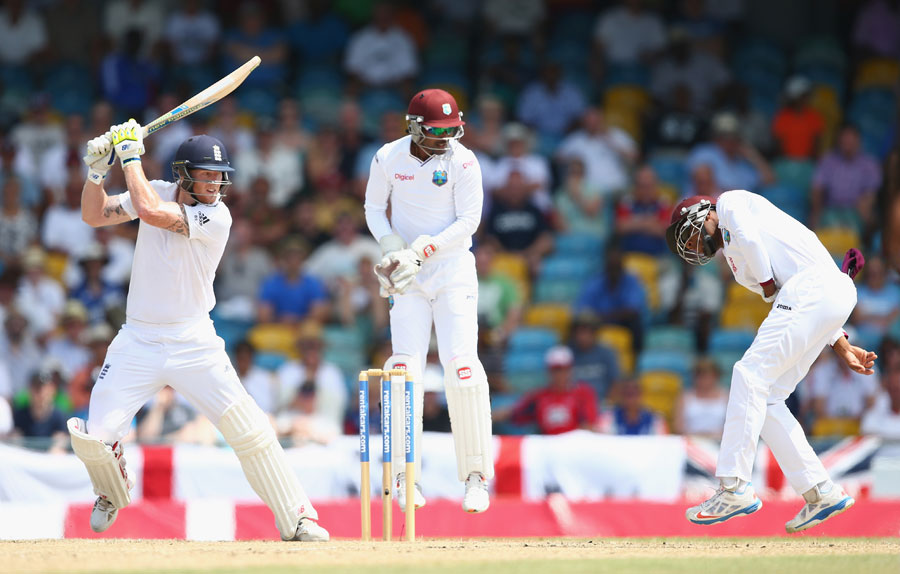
pixel 777 257
pixel 433 186
pixel 168 337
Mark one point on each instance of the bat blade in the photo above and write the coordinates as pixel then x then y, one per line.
pixel 210 95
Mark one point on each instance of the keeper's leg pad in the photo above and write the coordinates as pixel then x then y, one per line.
pixel 398 408
pixel 105 464
pixel 247 429
pixel 469 403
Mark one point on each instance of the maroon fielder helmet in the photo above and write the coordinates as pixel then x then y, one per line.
pixel 434 114
pixel 686 224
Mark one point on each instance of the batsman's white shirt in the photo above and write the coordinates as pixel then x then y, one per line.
pixel 168 337
pixel 813 302
pixel 172 275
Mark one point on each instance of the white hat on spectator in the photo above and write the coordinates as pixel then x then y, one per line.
pixel 559 356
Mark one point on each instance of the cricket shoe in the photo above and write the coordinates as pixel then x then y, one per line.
pixel 400 493
pixel 103 514
pixel 477 498
pixel 819 507
pixel 308 530
pixel 725 505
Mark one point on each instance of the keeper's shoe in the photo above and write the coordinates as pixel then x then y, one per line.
pixel 477 498
pixel 103 514
pixel 725 505
pixel 308 530
pixel 400 493
pixel 819 507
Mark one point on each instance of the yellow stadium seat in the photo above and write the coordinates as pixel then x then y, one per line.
pixel 661 390
pixel 878 73
pixel 647 270
pixel 619 339
pixel 835 427
pixel 738 294
pixel 274 338
pixel 55 265
pixel 513 266
pixel 744 315
pixel 824 98
pixel 556 316
pixel 837 240
pixel 632 98
pixel 669 192
pixel 625 119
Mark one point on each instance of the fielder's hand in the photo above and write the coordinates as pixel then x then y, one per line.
pixel 858 359
pixel 99 158
pixel 129 141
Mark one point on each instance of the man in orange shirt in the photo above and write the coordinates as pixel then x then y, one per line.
pixel 798 127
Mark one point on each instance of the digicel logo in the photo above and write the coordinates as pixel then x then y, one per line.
pixel 464 373
pixel 404 177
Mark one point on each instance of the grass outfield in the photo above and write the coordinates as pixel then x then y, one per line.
pixel 797 555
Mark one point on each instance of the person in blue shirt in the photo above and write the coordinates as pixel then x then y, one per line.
pixel 616 296
pixel 289 295
pixel 735 163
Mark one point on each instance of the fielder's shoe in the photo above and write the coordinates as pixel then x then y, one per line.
pixel 725 505
pixel 308 530
pixel 103 515
pixel 477 498
pixel 819 507
pixel 400 493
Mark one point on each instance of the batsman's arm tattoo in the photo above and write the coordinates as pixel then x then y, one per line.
pixel 113 208
pixel 180 225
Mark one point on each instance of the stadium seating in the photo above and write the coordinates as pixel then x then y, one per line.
pixel 795 173
pixel 646 268
pixel 732 340
pixel 555 316
pixel 232 330
pixel 620 340
pixel 835 427
pixel 556 291
pixel 660 391
pixel 725 361
pixel 669 338
pixel 788 198
pixel 837 240
pixel 675 362
pixel 511 265
pixel 745 316
pixel 670 169
pixel 877 73
pixel 533 340
pixel 579 245
pixel 566 268
pixel 269 360
pixel 821 51
pixel 525 370
pixel 758 53
pixel 274 338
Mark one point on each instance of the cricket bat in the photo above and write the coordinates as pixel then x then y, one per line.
pixel 210 95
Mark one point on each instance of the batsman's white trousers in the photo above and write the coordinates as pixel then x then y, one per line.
pixel 143 358
pixel 810 307
pixel 445 292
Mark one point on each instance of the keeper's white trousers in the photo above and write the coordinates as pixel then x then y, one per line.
pixel 445 292
pixel 810 307
pixel 143 358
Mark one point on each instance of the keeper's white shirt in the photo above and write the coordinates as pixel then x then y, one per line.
pixel 762 242
pixel 440 197
pixel 172 275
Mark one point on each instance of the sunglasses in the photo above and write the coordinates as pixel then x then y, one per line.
pixel 440 132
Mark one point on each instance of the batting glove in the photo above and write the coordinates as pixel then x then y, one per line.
pixel 99 158
pixel 129 141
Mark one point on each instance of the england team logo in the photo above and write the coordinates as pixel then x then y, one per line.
pixel 439 178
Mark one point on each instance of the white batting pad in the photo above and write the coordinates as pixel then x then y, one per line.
pixel 469 403
pixel 398 408
pixel 105 465
pixel 247 429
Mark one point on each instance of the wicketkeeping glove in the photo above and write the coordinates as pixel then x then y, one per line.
pixel 129 141
pixel 99 158
pixel 408 266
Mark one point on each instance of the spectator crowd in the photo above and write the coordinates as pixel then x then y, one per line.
pixel 590 120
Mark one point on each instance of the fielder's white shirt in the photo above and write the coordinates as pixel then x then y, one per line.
pixel 762 242
pixel 440 197
pixel 172 275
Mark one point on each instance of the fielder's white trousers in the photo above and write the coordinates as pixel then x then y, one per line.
pixel 143 358
pixel 446 293
pixel 809 309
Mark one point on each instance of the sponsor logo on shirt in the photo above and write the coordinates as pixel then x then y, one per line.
pixel 468 164
pixel 781 306
pixel 201 218
pixel 464 373
pixel 404 177
pixel 726 235
pixel 733 266
pixel 439 178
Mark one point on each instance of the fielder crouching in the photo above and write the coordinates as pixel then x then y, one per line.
pixel 168 337
pixel 778 258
